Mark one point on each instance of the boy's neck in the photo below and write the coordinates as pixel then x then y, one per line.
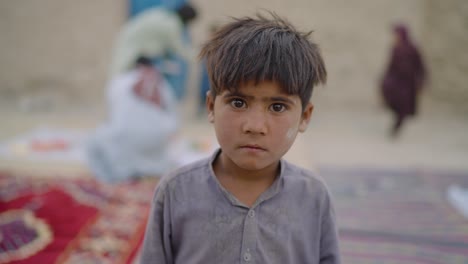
pixel 245 185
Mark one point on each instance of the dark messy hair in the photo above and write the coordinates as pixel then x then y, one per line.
pixel 263 49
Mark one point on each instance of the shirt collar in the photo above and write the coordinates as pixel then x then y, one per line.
pixel 273 190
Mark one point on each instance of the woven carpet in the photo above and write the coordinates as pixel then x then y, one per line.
pixel 62 220
pixel 385 216
pixel 398 216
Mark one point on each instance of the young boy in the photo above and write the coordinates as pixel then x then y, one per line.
pixel 245 204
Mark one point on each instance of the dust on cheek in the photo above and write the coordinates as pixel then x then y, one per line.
pixel 290 133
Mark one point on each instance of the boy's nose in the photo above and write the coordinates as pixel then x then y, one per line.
pixel 255 122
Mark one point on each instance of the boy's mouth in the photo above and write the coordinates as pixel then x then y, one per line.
pixel 253 147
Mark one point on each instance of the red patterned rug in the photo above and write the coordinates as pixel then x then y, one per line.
pixel 398 216
pixel 62 220
pixel 385 217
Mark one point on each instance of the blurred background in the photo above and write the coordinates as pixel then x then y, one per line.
pixel 54 64
pixel 55 58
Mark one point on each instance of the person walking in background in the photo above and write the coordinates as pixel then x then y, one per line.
pixel 403 78
pixel 142 120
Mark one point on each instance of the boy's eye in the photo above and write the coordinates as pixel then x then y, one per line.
pixel 237 103
pixel 278 108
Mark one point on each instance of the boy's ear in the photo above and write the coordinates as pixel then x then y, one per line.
pixel 210 106
pixel 305 118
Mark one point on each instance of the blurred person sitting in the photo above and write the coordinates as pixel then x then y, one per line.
pixel 403 79
pixel 158 33
pixel 142 119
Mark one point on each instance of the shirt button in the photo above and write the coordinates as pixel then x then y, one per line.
pixel 252 213
pixel 247 256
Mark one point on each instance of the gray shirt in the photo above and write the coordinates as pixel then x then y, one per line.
pixel 195 220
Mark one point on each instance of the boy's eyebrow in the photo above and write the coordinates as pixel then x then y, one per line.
pixel 236 93
pixel 282 99
pixel 249 97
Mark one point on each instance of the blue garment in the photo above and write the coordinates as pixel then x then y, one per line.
pixel 138 6
pixel 204 86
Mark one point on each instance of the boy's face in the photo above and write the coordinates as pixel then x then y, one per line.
pixel 256 125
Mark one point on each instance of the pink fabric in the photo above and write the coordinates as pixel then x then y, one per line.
pixel 148 87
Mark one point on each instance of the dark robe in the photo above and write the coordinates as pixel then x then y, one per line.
pixel 403 78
